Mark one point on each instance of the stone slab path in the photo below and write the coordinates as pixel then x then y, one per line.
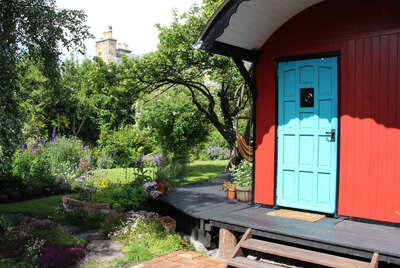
pixel 183 259
pixel 105 249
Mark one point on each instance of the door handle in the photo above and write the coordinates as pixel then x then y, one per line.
pixel 333 134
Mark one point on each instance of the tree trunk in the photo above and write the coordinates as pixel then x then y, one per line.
pixel 234 159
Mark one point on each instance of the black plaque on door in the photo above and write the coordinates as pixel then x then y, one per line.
pixel 306 97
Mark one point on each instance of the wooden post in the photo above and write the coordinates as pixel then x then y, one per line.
pixel 375 260
pixel 227 243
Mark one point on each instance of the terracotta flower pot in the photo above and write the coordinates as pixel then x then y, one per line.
pixel 231 193
pixel 163 190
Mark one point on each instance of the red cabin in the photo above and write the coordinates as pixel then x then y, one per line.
pixel 327 90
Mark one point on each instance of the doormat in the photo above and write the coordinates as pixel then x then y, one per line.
pixel 296 215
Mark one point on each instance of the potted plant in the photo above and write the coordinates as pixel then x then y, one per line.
pixel 243 181
pixel 230 188
pixel 162 182
pixel 163 185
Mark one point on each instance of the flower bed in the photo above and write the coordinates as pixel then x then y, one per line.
pixel 32 242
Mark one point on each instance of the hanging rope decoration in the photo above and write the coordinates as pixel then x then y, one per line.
pixel 244 149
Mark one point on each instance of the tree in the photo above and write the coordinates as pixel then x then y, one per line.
pixel 213 82
pixel 175 125
pixel 97 97
pixel 38 29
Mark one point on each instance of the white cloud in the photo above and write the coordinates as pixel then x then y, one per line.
pixel 132 21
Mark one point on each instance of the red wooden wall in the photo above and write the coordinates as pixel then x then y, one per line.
pixel 367 34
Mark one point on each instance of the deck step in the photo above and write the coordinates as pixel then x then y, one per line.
pixel 301 254
pixel 242 262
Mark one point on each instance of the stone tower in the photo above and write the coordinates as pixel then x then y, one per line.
pixel 106 48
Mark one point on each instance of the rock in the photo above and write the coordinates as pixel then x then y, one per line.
pixel 197 244
pixel 91 235
pixel 42 223
pixel 106 255
pixel 104 245
pixel 3 198
pixel 212 253
pixel 70 229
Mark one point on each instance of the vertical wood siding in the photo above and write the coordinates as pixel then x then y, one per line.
pixel 369 175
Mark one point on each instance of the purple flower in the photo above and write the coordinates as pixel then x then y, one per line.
pixel 24 146
pixel 61 255
pixel 53 137
pixel 33 147
pixel 42 141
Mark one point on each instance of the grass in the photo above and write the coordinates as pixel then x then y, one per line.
pixel 37 207
pixel 204 170
pixel 197 171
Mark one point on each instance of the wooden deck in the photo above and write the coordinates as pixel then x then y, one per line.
pixel 205 201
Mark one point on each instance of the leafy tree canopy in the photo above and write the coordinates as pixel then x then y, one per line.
pixel 38 29
pixel 213 81
pixel 174 123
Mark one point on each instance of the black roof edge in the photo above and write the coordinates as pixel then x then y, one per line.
pixel 234 51
pixel 216 26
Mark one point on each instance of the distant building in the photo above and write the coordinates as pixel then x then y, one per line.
pixel 108 49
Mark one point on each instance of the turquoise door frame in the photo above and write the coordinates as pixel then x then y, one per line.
pixel 307 147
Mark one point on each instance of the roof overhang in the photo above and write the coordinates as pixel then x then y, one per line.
pixel 239 28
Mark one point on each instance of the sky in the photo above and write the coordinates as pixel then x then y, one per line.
pixel 132 20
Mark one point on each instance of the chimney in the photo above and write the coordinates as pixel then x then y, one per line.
pixel 109 32
pixel 126 46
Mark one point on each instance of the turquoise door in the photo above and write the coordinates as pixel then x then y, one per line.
pixel 307 134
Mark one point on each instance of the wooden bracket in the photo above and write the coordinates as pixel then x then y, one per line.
pixel 246 75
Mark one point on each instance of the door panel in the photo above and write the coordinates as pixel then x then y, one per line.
pixel 307 154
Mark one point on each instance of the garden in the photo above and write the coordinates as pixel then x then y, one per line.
pixel 84 143
pixel 44 231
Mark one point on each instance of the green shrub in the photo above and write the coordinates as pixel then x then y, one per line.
pixel 137 252
pixel 105 161
pixel 67 150
pixel 176 171
pixel 34 168
pixel 89 221
pixel 122 146
pixel 112 263
pixel 112 221
pixel 215 139
pixel 10 263
pixel 242 174
pixel 8 221
pixel 122 197
pixel 53 167
pixel 59 237
pixel 146 237
pixel 7 178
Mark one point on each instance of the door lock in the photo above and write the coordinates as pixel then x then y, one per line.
pixel 333 134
